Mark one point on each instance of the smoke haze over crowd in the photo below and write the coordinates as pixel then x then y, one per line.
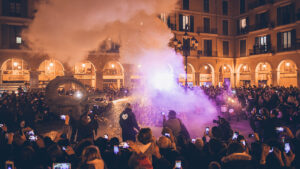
pixel 68 29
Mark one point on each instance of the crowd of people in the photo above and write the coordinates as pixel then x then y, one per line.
pixel 272 112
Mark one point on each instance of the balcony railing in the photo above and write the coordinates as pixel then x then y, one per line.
pixel 243 31
pixel 260 49
pixel 259 26
pixel 259 3
pixel 211 31
pixel 295 46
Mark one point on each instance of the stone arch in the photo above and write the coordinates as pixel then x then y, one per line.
pixel 243 75
pixel 50 69
pixel 113 75
pixel 85 72
pixel 263 74
pixel 190 75
pixel 15 70
pixel 287 73
pixel 207 74
pixel 226 75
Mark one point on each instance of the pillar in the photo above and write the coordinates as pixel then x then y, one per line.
pixel 274 77
pixel 197 79
pixel 234 80
pixel 34 79
pixel 0 76
pixel 252 75
pixel 99 80
pixel 298 78
pixel 217 80
pixel 127 79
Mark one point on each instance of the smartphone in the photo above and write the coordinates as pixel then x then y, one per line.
pixel 61 165
pixel 1 125
pixel 193 140
pixel 64 148
pixel 63 117
pixel 243 142
pixel 32 138
pixel 287 148
pixel 125 145
pixel 163 113
pixel 271 150
pixel 167 134
pixel 251 135
pixel 91 111
pixel 207 130
pixel 280 129
pixel 30 133
pixel 9 165
pixel 106 136
pixel 178 164
pixel 235 135
pixel 116 149
pixel 231 110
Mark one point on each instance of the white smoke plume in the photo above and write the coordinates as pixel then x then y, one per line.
pixel 68 29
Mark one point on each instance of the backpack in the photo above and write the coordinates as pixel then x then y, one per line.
pixel 140 161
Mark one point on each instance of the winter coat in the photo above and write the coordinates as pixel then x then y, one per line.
pixel 237 161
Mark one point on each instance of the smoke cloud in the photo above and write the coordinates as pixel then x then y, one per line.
pixel 68 29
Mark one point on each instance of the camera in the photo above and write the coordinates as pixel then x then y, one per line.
pixel 279 129
pixel 9 165
pixel 235 135
pixel 287 148
pixel 116 149
pixel 63 117
pixel 207 130
pixel 178 164
pixel 61 165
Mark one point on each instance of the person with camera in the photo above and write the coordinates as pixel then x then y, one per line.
pixel 175 124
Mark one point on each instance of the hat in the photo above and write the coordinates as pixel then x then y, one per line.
pixel 172 113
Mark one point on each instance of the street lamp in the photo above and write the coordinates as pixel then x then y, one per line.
pixel 186 46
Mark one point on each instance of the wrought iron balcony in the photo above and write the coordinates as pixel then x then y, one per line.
pixel 261 49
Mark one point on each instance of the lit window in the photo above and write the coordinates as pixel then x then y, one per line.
pixel 287 40
pixel 18 40
pixel 185 21
pixel 163 17
pixel 243 23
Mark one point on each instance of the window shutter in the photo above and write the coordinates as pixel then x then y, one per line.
pixel 4 36
pixel 293 40
pixel 269 45
pixel 5 7
pixel 192 23
pixel 169 22
pixel 180 22
pixel 278 16
pixel 292 12
pixel 24 8
pixel 238 27
pixel 279 45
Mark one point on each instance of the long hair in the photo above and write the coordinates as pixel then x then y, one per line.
pixel 90 153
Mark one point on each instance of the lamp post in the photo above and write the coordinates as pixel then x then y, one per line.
pixel 186 46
